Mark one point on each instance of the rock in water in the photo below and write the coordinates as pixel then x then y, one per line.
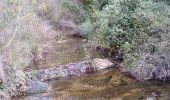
pixel 35 87
pixel 101 63
pixel 72 69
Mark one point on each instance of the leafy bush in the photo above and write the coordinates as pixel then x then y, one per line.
pixel 137 28
pixel 85 10
pixel 76 10
pixel 86 29
pixel 102 3
pixel 85 15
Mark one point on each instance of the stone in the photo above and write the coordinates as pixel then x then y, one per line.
pixel 101 63
pixel 35 87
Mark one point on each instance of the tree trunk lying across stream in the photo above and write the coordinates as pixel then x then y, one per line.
pixel 72 69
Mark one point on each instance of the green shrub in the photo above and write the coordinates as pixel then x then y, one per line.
pixel 102 3
pixel 85 13
pixel 75 9
pixel 86 29
pixel 136 28
pixel 1 86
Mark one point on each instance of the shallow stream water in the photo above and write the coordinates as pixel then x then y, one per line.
pixel 105 85
pixel 108 84
pixel 61 52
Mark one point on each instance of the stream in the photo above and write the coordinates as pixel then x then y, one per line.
pixel 109 84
